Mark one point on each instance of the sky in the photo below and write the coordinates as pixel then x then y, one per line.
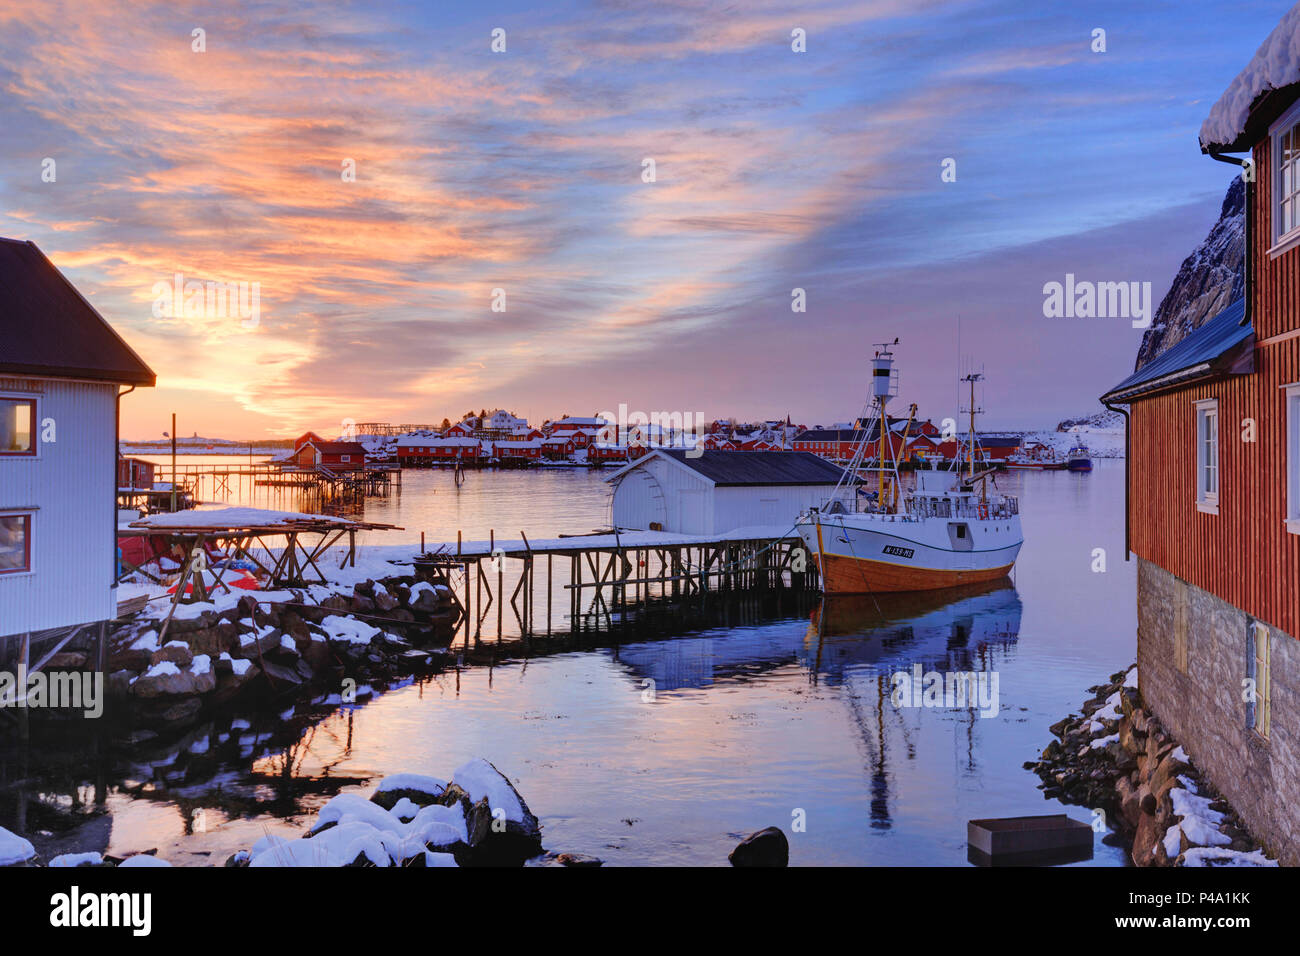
pixel 433 225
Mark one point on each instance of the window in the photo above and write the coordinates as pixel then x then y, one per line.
pixel 1257 664
pixel 17 426
pixel 1286 181
pixel 1207 456
pixel 15 543
pixel 1293 458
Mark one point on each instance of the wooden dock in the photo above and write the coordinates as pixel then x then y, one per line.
pixel 608 574
pixel 326 487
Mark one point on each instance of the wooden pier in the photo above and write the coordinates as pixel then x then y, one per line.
pixel 221 481
pixel 602 576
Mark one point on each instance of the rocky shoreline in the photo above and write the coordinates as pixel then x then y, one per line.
pixel 1117 758
pixel 168 675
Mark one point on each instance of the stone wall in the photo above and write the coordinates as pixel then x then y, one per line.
pixel 1204 710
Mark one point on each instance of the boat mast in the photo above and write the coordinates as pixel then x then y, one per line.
pixel 882 387
pixel 972 378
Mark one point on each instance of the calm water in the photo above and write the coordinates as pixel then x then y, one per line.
pixel 758 713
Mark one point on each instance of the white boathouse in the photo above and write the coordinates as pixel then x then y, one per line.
pixel 61 367
pixel 716 492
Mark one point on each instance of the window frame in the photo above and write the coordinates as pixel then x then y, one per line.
pixel 1288 122
pixel 1207 501
pixel 29 534
pixel 1291 399
pixel 1259 712
pixel 34 402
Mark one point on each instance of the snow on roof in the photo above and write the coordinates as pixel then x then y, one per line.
pixel 231 518
pixel 1275 64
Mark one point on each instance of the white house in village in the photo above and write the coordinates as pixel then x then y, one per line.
pixel 61 367
pixel 713 492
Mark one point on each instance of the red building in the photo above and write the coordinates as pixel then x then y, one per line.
pixel 558 446
pixel 311 451
pixel 519 451
pixel 135 473
pixel 419 450
pixel 1214 486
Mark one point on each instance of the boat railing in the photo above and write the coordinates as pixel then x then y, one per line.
pixel 1002 506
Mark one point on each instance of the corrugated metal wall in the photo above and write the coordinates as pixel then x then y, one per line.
pixel 686 503
pixel 770 505
pixel 70 484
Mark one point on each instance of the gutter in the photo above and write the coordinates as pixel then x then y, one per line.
pixel 1128 457
pixel 1247 264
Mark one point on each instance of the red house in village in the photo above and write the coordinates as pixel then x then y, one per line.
pixel 135 473
pixel 422 450
pixel 519 452
pixel 312 451
pixel 1214 484
pixel 558 446
pixel 460 430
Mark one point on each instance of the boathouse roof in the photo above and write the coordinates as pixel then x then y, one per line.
pixel 724 468
pixel 51 331
pixel 1214 347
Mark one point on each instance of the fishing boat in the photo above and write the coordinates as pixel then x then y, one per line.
pixel 1036 457
pixel 1078 458
pixel 947 532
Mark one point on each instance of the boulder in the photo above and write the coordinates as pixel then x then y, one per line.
pixel 1145 840
pixel 178 652
pixel 67 661
pixel 170 680
pixel 766 847
pixel 502 830
pixel 222 638
pixel 421 790
pixel 130 659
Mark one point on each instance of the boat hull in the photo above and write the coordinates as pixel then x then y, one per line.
pixel 859 555
pixel 1080 464
pixel 1038 465
pixel 841 575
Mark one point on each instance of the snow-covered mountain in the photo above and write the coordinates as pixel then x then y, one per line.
pixel 1209 280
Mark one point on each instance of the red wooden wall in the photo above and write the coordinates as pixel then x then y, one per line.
pixel 1244 554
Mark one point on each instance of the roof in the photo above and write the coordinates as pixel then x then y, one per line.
pixel 337 447
pixel 837 434
pixel 1259 92
pixel 1205 352
pixel 731 468
pixel 579 422
pixel 48 330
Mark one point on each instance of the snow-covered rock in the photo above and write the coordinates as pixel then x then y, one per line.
pixel 14 850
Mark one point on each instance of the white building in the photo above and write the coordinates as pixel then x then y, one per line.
pixel 714 492
pixel 61 366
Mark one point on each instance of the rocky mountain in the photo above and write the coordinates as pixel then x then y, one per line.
pixel 1209 280
pixel 1103 420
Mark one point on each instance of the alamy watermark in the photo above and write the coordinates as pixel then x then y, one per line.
pixel 1073 299
pixel 196 299
pixel 64 690
pixel 953 690
pixel 655 429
